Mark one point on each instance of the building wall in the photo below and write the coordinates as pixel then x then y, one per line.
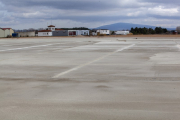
pixel 122 32
pixel 106 32
pixel 11 31
pixel 178 29
pixel 2 33
pixel 60 33
pixel 44 33
pixel 72 33
pixel 7 32
pixel 26 34
pixel 94 33
pixel 51 28
pixel 82 32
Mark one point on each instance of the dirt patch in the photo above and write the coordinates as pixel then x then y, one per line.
pixel 135 36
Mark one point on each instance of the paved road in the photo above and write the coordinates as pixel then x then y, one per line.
pixel 90 79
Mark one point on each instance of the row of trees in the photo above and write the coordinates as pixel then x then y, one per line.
pixel 76 28
pixel 157 30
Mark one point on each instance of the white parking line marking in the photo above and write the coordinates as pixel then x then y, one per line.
pixel 126 47
pixel 177 44
pixel 88 63
pixel 28 47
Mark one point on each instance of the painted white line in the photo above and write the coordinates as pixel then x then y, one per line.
pixel 6 45
pixel 126 47
pixel 85 100
pixel 28 47
pixel 77 47
pixel 88 63
pixel 177 44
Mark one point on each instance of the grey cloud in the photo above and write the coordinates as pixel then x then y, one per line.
pixel 165 17
pixel 162 2
pixel 85 11
pixel 64 4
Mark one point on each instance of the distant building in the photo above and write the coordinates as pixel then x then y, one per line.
pixel 82 32
pixel 45 33
pixel 101 32
pixel 5 32
pixel 1 32
pixel 26 34
pixel 51 27
pixel 60 33
pixel 121 32
pixel 70 32
pixel 52 31
pixel 174 32
pixel 178 29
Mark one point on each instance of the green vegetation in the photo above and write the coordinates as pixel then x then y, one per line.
pixel 157 30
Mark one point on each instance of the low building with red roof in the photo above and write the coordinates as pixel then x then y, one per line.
pixel 45 33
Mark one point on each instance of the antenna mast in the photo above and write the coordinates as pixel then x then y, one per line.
pixel 51 20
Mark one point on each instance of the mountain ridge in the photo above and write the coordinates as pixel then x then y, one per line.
pixel 127 26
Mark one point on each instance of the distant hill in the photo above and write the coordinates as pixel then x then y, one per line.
pixel 125 26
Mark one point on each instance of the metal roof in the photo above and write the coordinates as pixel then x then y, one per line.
pixel 45 31
pixel 6 28
pixel 51 26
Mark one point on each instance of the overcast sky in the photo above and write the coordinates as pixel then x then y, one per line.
pixel 24 14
